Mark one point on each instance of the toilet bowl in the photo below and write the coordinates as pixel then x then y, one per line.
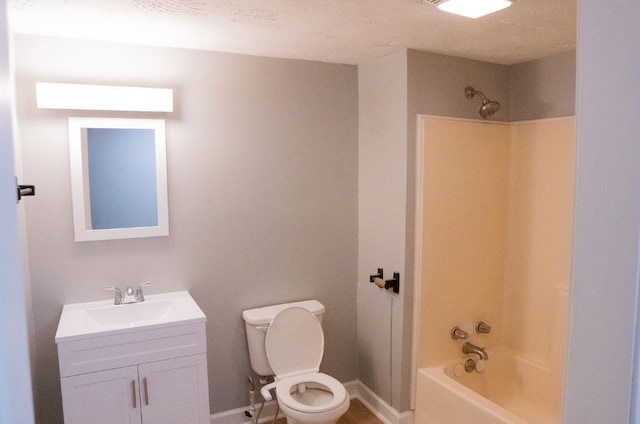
pixel 294 345
pixel 312 398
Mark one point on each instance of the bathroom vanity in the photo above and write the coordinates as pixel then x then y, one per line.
pixel 138 363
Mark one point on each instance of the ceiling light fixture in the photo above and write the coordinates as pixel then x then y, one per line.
pixel 473 8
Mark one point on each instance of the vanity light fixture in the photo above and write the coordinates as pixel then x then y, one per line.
pixel 473 8
pixel 51 95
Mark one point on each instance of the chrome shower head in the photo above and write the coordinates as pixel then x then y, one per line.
pixel 488 108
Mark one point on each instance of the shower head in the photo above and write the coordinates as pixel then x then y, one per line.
pixel 488 108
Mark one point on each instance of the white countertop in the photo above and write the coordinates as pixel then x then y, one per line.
pixel 102 318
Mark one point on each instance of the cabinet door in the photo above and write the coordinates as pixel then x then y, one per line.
pixel 106 397
pixel 175 391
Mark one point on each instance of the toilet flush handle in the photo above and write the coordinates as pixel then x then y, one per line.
pixel 265 391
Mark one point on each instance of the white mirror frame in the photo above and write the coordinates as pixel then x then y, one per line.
pixel 80 185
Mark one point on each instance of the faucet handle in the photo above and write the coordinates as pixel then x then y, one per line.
pixel 482 327
pixel 145 284
pixel 139 294
pixel 117 300
pixel 459 333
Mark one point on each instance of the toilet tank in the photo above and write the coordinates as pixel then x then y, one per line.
pixel 257 321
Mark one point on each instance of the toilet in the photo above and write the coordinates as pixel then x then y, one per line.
pixel 287 341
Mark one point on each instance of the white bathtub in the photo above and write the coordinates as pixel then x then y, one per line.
pixel 512 390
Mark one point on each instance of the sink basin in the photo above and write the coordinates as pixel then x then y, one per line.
pixel 86 320
pixel 131 315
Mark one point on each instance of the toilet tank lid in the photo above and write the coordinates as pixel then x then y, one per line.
pixel 264 315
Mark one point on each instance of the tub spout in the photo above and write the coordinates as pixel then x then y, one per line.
pixel 468 348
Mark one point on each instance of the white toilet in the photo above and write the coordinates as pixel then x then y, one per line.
pixel 287 341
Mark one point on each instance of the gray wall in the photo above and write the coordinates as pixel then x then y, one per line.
pixel 262 174
pixel 543 88
pixel 382 89
pixel 436 86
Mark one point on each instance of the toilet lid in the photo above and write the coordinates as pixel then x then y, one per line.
pixel 294 343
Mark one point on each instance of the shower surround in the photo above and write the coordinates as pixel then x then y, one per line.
pixel 496 223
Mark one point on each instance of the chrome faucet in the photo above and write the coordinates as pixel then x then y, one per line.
pixel 468 348
pixel 129 295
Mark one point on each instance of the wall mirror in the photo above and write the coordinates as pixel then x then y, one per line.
pixel 118 178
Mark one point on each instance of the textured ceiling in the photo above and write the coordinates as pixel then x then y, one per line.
pixel 341 31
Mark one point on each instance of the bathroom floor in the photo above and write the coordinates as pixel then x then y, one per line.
pixel 357 414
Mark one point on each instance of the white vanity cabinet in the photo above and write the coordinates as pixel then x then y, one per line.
pixel 151 373
pixel 102 397
pixel 163 392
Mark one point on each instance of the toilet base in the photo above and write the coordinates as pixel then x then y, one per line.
pixel 294 421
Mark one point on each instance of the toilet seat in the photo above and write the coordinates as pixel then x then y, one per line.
pixel 284 389
pixel 294 345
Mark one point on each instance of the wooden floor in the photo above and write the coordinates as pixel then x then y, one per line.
pixel 357 414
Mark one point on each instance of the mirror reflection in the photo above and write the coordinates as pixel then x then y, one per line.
pixel 118 169
pixel 122 177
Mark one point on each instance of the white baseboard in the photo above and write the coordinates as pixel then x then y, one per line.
pixel 237 416
pixel 381 409
pixel 355 388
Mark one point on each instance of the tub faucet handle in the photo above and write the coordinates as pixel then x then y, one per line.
pixel 482 327
pixel 459 333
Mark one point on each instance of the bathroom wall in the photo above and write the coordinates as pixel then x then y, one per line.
pixel 604 289
pixel 437 82
pixel 543 88
pixel 382 91
pixel 262 174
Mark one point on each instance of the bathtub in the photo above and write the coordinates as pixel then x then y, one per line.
pixel 512 390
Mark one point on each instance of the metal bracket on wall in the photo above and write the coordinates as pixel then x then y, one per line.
pixel 25 190
pixel 394 283
pixel 379 275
